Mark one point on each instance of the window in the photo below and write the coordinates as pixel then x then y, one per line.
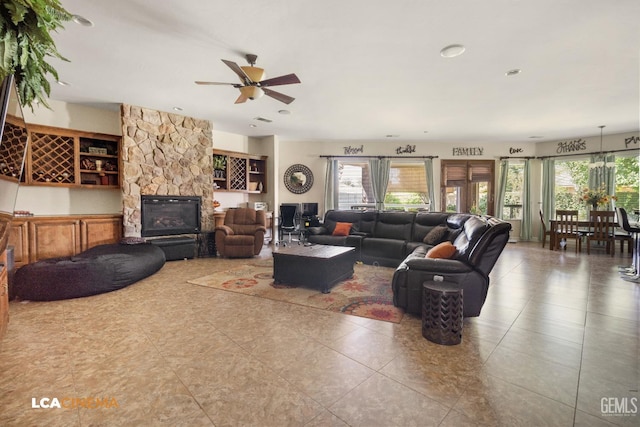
pixel 407 186
pixel 354 185
pixel 571 177
pixel 512 207
pixel 627 173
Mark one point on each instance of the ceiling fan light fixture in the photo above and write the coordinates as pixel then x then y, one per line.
pixel 256 74
pixel 251 92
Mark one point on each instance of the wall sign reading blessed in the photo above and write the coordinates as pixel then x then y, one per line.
pixel 570 146
pixel 468 151
pixel 354 150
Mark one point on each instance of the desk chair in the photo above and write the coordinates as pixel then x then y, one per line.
pixel 567 229
pixel 601 230
pixel 289 223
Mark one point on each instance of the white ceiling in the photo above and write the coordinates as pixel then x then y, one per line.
pixel 369 68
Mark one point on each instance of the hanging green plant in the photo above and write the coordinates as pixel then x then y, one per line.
pixel 25 44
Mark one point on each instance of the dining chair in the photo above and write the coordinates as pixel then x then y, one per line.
pixel 567 229
pixel 545 232
pixel 601 230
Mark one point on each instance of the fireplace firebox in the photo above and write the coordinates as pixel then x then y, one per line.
pixel 170 215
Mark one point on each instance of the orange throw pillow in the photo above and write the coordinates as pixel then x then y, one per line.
pixel 442 250
pixel 342 229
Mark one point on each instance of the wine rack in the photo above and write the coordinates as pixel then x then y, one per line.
pixel 12 147
pixel 64 157
pixel 239 172
pixel 52 158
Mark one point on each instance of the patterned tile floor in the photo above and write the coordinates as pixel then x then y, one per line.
pixel 557 344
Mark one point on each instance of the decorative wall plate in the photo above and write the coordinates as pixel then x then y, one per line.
pixel 298 179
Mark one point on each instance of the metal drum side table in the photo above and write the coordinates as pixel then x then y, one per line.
pixel 442 310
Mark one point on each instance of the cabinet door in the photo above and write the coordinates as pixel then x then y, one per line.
pixel 19 239
pixel 55 238
pixel 101 231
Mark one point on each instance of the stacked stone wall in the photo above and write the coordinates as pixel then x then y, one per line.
pixel 164 154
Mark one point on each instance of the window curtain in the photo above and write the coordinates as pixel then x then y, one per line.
pixel 602 171
pixel 428 168
pixel 379 179
pixel 525 229
pixel 330 184
pixel 548 191
pixel 502 187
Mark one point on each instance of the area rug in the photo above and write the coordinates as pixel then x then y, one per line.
pixel 367 294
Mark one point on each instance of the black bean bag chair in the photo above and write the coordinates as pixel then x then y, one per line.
pixel 100 269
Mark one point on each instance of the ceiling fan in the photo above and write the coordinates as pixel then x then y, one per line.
pixel 253 86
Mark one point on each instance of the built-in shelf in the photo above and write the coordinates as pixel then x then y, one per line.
pixel 239 172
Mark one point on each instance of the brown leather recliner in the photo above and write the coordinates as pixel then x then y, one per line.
pixel 242 234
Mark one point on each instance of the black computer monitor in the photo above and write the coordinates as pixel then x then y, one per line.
pixel 309 209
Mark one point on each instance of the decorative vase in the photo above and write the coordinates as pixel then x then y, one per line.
pixel 594 206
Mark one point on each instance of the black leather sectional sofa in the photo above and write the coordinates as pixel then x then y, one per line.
pixel 397 239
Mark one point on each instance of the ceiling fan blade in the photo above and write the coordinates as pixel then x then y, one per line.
pixel 216 83
pixel 239 71
pixel 279 96
pixel 241 99
pixel 282 80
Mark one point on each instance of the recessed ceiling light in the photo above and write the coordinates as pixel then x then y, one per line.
pixel 452 51
pixel 285 112
pixel 392 136
pixel 63 83
pixel 82 21
pixel 513 72
pixel 536 137
pixel 252 125
pixel 177 108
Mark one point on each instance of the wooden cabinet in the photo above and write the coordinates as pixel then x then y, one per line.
pixel 64 157
pixel 4 295
pixel 240 172
pixel 37 238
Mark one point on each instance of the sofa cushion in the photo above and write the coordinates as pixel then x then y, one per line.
pixel 342 229
pixel 442 250
pixel 394 225
pixel 436 235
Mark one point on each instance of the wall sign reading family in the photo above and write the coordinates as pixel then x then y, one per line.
pixel 468 151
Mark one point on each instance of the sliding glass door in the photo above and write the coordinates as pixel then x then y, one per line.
pixel 467 186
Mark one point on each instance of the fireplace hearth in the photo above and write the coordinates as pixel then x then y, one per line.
pixel 170 215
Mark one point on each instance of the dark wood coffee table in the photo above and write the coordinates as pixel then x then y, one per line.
pixel 320 266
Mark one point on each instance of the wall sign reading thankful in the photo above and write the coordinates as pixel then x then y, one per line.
pixel 407 149
pixel 631 140
pixel 570 146
pixel 468 151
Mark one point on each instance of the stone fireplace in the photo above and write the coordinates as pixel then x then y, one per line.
pixel 164 154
